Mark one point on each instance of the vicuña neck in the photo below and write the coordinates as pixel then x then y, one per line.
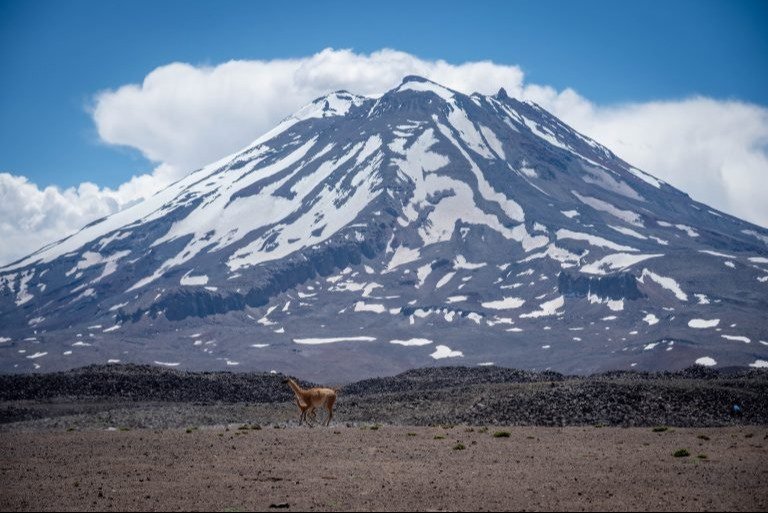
pixel 296 388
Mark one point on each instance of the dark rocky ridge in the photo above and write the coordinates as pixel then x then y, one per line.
pixel 447 395
pixel 615 286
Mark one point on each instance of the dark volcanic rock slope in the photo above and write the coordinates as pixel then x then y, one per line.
pixel 367 236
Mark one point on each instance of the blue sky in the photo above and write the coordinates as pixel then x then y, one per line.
pixel 55 56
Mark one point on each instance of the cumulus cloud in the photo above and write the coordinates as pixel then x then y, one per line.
pixel 183 116
pixel 31 217
pixel 188 115
pixel 716 151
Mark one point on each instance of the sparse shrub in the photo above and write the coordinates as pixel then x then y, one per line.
pixel 375 427
pixel 459 447
pixel 703 437
pixel 702 456
pixel 681 453
pixel 410 434
pixel 189 430
pixel 660 429
pixel 469 430
pixel 502 434
pixel 243 427
pixel 483 430
pixel 448 426
pixel 439 437
pixel 256 427
pixel 749 435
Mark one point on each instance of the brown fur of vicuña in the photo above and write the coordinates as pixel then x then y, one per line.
pixel 310 399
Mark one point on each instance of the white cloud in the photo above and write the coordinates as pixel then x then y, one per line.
pixel 188 116
pixel 183 116
pixel 31 217
pixel 716 151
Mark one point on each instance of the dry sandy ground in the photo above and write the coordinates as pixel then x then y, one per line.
pixel 391 468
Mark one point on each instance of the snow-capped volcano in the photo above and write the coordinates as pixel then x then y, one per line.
pixel 364 236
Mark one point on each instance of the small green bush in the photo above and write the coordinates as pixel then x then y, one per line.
pixel 681 453
pixel 660 429
pixel 502 434
pixel 459 447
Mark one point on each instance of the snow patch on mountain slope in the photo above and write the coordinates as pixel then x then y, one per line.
pixel 603 206
pixel 445 352
pixel 628 231
pixel 703 323
pixel 597 176
pixel 331 340
pixel 507 303
pixel 188 280
pixel 361 306
pixel 615 262
pixel 24 296
pixel 645 177
pixel 592 240
pixel 651 319
pixel 666 283
pixel 563 256
pixel 420 85
pixel 546 309
pixel 412 342
pixel 334 104
pixel 445 279
pixel 737 338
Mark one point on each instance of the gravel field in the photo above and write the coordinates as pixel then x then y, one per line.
pixel 399 468
pixel 142 438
